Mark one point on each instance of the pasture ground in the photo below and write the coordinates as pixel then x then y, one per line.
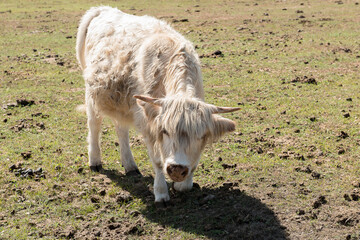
pixel 290 171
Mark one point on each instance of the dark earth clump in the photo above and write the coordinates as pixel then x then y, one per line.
pixel 27 172
pixel 315 175
pixel 27 124
pixel 346 115
pixel 305 169
pixel 123 197
pixel 347 197
pixel 214 54
pixel 26 155
pixel 343 135
pixel 341 151
pixel 226 166
pixel 304 79
pixel 180 20
pixel 321 200
pixel 19 103
pixel 300 212
pixel 313 119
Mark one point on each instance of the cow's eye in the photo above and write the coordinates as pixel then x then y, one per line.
pixel 204 137
pixel 165 132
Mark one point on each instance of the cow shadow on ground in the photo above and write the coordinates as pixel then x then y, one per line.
pixel 221 213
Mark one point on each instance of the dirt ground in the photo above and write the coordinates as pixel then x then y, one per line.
pixel 289 171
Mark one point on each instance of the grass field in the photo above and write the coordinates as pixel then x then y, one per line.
pixel 289 171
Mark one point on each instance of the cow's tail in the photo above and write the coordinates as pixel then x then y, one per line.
pixel 81 34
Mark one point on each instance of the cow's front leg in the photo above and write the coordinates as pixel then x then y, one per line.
pixel 161 192
pixel 185 185
pixel 94 125
pixel 127 158
pixel 160 188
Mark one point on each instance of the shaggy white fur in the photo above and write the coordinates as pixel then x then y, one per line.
pixel 125 57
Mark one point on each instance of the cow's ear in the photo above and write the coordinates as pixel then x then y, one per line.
pixel 151 108
pixel 223 125
pixel 153 101
pixel 224 109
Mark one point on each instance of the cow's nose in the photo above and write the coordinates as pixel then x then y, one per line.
pixel 177 172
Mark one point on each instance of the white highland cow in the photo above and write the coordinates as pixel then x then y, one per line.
pixel 139 71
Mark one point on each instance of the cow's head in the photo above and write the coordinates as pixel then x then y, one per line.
pixel 182 127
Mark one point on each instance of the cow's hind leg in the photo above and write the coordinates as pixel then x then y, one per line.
pixel 94 125
pixel 127 158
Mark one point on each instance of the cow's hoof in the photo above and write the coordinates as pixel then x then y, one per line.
pixel 163 204
pixel 96 168
pixel 134 173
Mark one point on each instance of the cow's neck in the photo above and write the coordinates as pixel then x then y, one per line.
pixel 183 77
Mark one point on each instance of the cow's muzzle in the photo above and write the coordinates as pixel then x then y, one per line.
pixel 177 173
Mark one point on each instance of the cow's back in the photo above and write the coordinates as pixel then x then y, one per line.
pixel 127 55
pixel 111 48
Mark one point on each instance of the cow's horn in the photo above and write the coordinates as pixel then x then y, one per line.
pixel 150 100
pixel 225 109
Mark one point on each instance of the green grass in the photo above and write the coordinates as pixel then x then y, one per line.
pixel 265 47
